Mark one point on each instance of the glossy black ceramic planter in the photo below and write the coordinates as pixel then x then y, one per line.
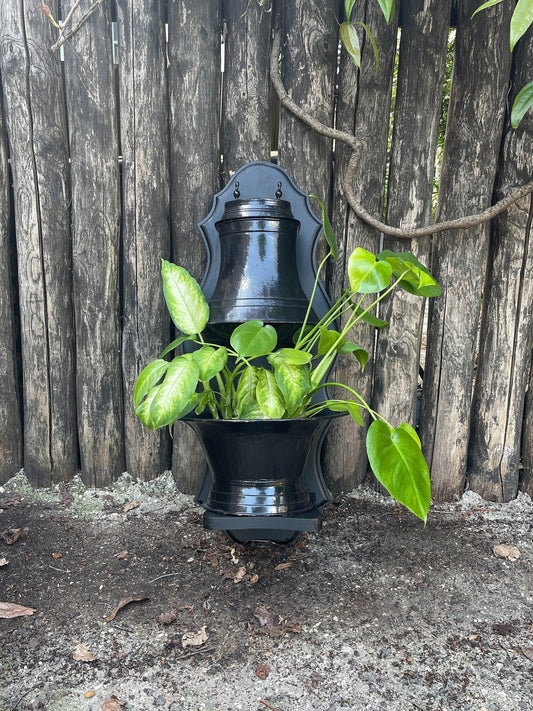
pixel 258 484
pixel 258 466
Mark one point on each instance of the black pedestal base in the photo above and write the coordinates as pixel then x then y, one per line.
pixel 276 529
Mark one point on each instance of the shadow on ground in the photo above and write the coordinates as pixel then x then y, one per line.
pixel 374 612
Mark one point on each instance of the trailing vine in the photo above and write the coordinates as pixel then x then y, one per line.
pixel 356 148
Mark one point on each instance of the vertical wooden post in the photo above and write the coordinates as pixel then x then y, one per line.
pixel 308 65
pixel 145 215
pixel 246 91
pixel 92 109
pixel 526 480
pixel 10 424
pixel 194 81
pixel 37 134
pixel 424 39
pixel 345 453
pixel 507 325
pixel 475 119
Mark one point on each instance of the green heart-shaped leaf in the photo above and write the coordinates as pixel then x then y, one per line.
pixel 359 352
pixel 367 275
pixel 253 339
pixel 397 462
pixel 415 278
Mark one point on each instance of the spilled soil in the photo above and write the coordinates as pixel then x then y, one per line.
pixel 137 607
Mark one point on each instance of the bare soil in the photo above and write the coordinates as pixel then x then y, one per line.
pixel 373 612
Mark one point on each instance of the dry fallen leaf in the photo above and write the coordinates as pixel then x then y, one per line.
pixel 283 566
pixel 263 615
pixel 194 639
pixel 122 555
pixel 9 610
pixel 509 552
pixel 11 535
pixel 528 652
pixel 254 578
pixel 82 653
pixel 211 557
pixel 240 575
pixel 168 617
pixel 262 671
pixel 130 505
pixel 125 601
pixel 113 704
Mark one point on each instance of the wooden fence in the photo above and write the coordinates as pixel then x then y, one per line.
pixel 107 166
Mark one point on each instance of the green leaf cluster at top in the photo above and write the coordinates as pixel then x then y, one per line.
pixel 250 378
pixel 521 21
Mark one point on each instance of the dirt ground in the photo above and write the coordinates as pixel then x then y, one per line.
pixel 373 612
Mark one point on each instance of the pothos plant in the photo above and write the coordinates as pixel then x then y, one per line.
pixel 249 378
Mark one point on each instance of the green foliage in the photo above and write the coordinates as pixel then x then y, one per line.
pixel 522 103
pixel 230 382
pixel 521 21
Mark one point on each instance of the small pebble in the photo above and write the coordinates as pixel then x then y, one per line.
pixel 89 694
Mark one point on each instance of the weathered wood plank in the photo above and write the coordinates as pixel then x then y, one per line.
pixel 96 239
pixel 308 65
pixel 477 105
pixel 37 134
pixel 507 324
pixel 424 40
pixel 10 423
pixel 246 91
pixel 145 215
pixel 345 453
pixel 526 479
pixel 194 82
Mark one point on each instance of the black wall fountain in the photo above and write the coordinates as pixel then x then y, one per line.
pixel 263 479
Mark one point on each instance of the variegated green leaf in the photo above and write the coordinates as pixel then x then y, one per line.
pixel 185 301
pixel 148 377
pixel 269 396
pixel 290 356
pixel 142 410
pixel 295 384
pixel 175 392
pixel 210 361
pixel 245 394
